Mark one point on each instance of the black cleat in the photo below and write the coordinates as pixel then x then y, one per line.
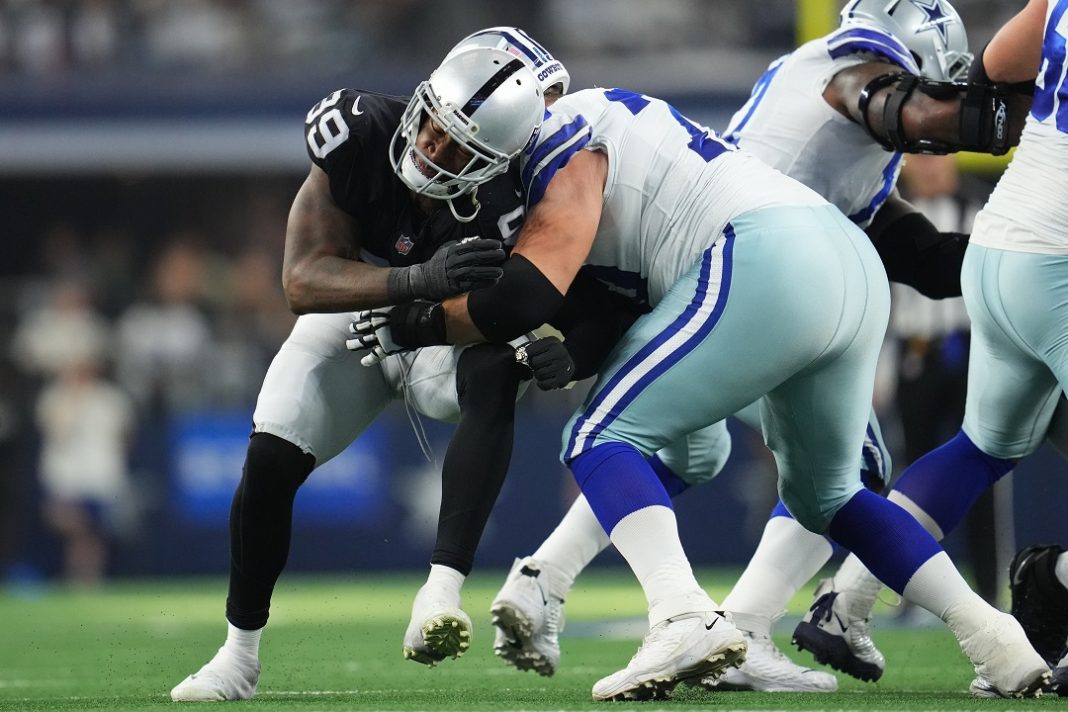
pixel 1039 600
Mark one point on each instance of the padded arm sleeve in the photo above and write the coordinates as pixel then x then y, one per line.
pixel 521 301
pixel 983 119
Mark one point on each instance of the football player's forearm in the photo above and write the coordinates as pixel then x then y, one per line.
pixel 458 324
pixel 335 284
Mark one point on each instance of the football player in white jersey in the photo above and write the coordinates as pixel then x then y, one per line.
pixel 369 228
pixel 1015 285
pixel 717 242
pixel 806 117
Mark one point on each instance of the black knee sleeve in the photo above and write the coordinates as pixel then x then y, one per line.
pixel 473 471
pixel 261 517
pixel 487 375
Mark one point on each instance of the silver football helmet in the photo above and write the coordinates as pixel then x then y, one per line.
pixel 931 29
pixel 548 70
pixel 488 103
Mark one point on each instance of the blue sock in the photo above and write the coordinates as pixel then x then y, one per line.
pixel 890 542
pixel 617 480
pixel 674 484
pixel 780 511
pixel 945 482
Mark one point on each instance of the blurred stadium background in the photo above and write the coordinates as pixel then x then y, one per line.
pixel 149 150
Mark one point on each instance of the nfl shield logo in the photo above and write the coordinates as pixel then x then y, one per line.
pixel 404 244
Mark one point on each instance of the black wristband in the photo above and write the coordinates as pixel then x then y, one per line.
pixel 419 323
pixel 399 285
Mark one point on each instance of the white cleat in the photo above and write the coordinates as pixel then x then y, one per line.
pixel 438 629
pixel 529 619
pixel 1005 663
pixel 839 637
pixel 692 645
pixel 767 669
pixel 227 676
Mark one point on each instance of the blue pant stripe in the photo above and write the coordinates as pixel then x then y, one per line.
pixel 648 363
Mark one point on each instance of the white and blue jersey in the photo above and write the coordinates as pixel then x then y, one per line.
pixel 1027 212
pixel 790 126
pixel 760 289
pixel 672 185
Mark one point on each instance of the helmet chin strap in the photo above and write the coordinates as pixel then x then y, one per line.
pixel 466 218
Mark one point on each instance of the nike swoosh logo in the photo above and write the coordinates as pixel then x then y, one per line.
pixel 710 626
pixel 1017 579
pixel 356 107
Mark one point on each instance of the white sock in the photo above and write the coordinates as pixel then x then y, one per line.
pixel 853 576
pixel 937 586
pixel 787 556
pixel 577 539
pixel 243 643
pixel 649 540
pixel 445 579
pixel 1060 569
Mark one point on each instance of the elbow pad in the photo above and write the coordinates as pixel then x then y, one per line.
pixel 521 301
pixel 984 115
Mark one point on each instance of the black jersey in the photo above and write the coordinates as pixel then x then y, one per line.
pixel 348 136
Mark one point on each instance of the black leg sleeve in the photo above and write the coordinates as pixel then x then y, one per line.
pixel 261 519
pixel 476 462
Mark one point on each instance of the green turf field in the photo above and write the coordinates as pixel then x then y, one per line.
pixel 335 644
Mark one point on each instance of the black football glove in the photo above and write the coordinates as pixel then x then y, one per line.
pixel 377 333
pixel 456 267
pixel 548 360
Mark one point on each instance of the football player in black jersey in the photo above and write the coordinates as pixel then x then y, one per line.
pixel 359 236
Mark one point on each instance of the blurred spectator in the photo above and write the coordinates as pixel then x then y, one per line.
pixel 164 343
pixel 189 33
pixel 253 323
pixel 94 33
pixel 86 424
pixel 39 37
pixel 63 331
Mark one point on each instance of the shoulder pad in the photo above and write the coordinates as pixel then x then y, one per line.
pixel 561 137
pixel 858 39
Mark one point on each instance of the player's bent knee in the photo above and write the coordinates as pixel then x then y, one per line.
pixel 487 374
pixel 270 460
pixel 807 513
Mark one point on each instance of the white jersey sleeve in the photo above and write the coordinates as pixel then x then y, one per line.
pixel 672 186
pixel 789 125
pixel 1027 211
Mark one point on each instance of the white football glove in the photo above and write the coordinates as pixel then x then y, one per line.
pixel 372 336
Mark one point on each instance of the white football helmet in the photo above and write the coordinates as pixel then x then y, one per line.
pixel 548 70
pixel 489 104
pixel 931 29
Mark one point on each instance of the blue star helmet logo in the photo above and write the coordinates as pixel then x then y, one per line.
pixel 937 19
